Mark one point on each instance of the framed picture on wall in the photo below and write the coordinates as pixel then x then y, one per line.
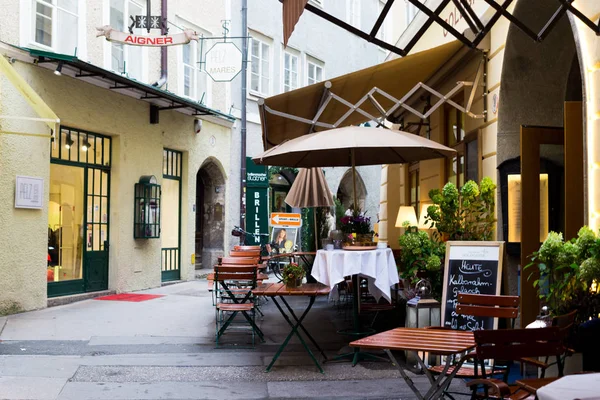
pixel 279 201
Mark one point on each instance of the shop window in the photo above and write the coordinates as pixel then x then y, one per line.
pixel 82 147
pixel 290 71
pixel 56 24
pixel 146 224
pixel 414 186
pixel 127 59
pixel 314 69
pixel 260 68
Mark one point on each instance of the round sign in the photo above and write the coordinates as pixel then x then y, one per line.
pixel 223 62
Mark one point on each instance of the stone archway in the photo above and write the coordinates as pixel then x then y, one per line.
pixel 536 80
pixel 210 214
pixel 345 190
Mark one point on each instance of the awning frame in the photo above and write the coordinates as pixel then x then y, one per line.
pixel 328 95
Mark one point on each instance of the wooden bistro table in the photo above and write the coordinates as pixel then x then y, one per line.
pixel 311 290
pixel 434 341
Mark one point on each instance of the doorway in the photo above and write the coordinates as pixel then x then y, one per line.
pixel 78 213
pixel 210 214
pixel 171 216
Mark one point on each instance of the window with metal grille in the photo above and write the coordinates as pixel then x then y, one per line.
pixel 77 146
pixel 146 223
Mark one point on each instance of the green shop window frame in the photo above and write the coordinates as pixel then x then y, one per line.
pixel 146 224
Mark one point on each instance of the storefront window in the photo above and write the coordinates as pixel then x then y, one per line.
pixel 65 223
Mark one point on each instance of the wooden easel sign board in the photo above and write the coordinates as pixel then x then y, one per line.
pixel 475 268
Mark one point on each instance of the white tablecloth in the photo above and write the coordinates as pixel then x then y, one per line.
pixel 584 387
pixel 331 266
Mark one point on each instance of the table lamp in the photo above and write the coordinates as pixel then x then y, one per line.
pixel 406 213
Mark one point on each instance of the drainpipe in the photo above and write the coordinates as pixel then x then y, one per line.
pixel 163 50
pixel 243 111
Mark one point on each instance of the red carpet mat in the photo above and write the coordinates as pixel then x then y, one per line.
pixel 136 298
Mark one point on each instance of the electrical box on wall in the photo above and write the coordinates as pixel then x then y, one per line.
pixel 146 224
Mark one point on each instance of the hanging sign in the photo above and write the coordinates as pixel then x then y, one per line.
pixel 290 220
pixel 257 201
pixel 223 62
pixel 113 35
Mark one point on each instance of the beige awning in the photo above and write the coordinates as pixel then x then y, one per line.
pixel 396 77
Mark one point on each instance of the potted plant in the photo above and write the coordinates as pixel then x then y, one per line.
pixel 421 258
pixel 569 273
pixel 292 275
pixel 467 214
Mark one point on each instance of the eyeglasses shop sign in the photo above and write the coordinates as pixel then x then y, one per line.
pixel 223 62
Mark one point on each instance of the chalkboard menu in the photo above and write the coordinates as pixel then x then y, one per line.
pixel 475 268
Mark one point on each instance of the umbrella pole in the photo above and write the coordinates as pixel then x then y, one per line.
pixel 354 180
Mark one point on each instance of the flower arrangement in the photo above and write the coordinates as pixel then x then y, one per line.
pixel 467 214
pixel 357 223
pixel 421 257
pixel 293 274
pixel 569 272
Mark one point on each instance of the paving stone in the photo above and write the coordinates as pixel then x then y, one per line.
pixel 28 388
pixel 163 391
pixel 39 366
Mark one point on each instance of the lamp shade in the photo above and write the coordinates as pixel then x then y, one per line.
pixel 406 213
pixel 422 223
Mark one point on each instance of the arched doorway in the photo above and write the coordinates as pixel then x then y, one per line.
pixel 537 79
pixel 345 192
pixel 210 214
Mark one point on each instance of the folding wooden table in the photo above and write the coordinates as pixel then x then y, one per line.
pixel 433 341
pixel 312 290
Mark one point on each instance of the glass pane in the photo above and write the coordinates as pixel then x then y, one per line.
pixel 134 62
pixel 187 81
pixel 461 171
pixel 104 205
pixel 255 48
pixel 104 176
pixel 294 64
pixel 472 161
pixel 170 213
pixel 287 61
pixel 254 79
pixel 106 151
pixel 311 71
pixel 265 51
pixel 451 169
pixel 69 5
pixel 187 54
pixel 117 58
pixel 116 14
pixel 103 235
pixel 97 183
pixel 55 146
pixel 319 74
pixel 98 150
pixel 85 146
pixel 294 80
pixel 264 68
pixel 165 156
pixel 451 127
pixel 89 237
pixel 90 208
pixel 43 24
pixel 254 65
pixel 96 242
pixel 96 209
pixel 67 32
pixel 66 141
pixel 65 222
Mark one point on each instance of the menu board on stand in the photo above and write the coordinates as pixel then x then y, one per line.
pixel 474 268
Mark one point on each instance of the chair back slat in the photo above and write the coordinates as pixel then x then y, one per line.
pixel 251 253
pixel 234 276
pixel 246 248
pixel 487 311
pixel 566 321
pixel 235 268
pixel 239 260
pixel 488 300
pixel 515 344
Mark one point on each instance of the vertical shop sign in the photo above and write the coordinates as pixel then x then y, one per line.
pixel 257 213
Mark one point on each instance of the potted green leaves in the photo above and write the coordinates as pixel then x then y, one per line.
pixel 421 257
pixel 569 273
pixel 465 214
pixel 292 275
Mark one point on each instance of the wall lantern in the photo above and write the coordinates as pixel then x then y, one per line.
pixel 146 224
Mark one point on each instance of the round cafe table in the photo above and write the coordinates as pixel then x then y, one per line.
pixel 570 387
pixel 330 268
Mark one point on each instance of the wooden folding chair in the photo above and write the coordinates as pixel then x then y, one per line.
pixel 512 345
pixel 238 298
pixel 487 306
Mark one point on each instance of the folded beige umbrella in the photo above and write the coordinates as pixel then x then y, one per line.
pixel 310 189
pixel 353 146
